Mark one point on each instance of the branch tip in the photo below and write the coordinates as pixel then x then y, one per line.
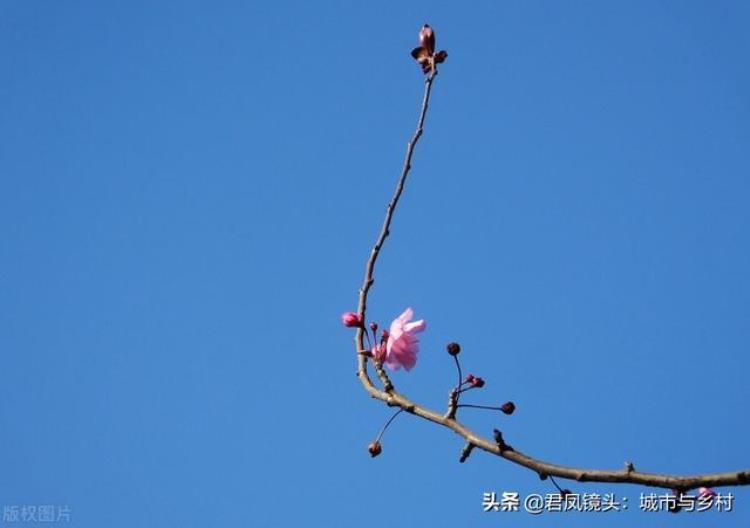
pixel 498 436
pixel 466 451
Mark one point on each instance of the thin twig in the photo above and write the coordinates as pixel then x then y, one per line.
pixel 460 377
pixel 486 407
pixel 382 431
pixel 385 230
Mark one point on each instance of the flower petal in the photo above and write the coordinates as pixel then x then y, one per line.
pixel 416 326
pixel 402 345
pixel 406 316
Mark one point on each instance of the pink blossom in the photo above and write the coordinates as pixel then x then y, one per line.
pixel 351 320
pixel 402 345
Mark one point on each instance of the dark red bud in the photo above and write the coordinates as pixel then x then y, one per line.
pixel 427 39
pixel 453 349
pixel 440 56
pixel 374 326
pixel 469 378
pixel 508 407
pixel 477 382
pixel 374 448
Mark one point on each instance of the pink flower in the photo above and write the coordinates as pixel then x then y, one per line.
pixel 402 345
pixel 351 320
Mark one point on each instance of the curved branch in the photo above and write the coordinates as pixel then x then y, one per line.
pixel 498 446
pixel 545 469
pixel 384 232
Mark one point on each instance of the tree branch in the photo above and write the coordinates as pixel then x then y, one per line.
pixel 384 232
pixel 497 447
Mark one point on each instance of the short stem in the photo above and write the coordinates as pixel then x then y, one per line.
pixel 556 485
pixel 367 336
pixel 460 376
pixel 382 431
pixel 487 407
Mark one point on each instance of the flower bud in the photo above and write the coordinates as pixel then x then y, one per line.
pixel 453 349
pixel 374 327
pixel 477 382
pixel 706 492
pixel 351 320
pixel 469 378
pixel 374 448
pixel 427 39
pixel 508 407
pixel 378 352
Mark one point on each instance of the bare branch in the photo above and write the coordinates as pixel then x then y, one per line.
pixel 384 232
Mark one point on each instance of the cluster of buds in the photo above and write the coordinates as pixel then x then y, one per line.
pixel 474 381
pixel 425 54
pixel 471 382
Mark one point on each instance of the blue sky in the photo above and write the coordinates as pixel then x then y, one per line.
pixel 188 194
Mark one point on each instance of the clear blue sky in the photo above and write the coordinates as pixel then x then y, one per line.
pixel 188 193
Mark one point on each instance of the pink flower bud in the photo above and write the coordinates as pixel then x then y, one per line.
pixel 374 327
pixel 351 320
pixel 706 492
